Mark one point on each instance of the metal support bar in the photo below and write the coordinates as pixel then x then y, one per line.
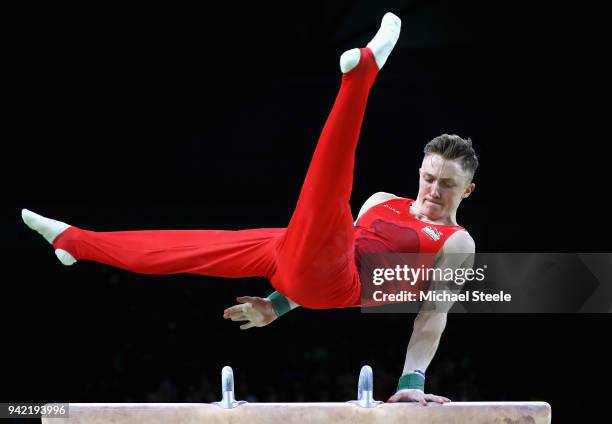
pixel 365 389
pixel 228 400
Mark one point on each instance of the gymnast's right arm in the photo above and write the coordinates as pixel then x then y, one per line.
pixel 258 311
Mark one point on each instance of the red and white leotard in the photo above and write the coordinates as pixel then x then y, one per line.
pixel 389 227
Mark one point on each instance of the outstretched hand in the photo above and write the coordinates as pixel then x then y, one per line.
pixel 256 310
pixel 415 395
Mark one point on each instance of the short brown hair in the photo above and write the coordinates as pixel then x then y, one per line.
pixel 454 147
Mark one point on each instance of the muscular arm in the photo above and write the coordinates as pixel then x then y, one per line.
pixel 429 324
pixel 426 334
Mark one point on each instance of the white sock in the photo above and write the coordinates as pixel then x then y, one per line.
pixel 349 60
pixel 381 45
pixel 385 39
pixel 49 229
pixel 64 257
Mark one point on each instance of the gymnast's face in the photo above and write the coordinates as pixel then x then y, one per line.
pixel 443 183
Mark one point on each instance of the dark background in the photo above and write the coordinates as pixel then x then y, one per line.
pixel 182 119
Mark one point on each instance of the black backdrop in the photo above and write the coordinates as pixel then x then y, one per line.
pixel 159 119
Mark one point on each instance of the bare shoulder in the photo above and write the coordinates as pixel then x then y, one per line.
pixel 381 196
pixel 375 199
pixel 460 242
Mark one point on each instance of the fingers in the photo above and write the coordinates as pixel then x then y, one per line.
pixel 237 312
pixel 437 399
pixel 240 318
pixel 244 299
pixel 243 308
pixel 247 326
pixel 232 309
pixel 418 397
pixel 394 398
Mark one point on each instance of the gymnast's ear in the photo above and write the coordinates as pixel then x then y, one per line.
pixel 468 190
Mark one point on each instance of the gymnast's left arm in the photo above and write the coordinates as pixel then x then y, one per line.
pixel 458 252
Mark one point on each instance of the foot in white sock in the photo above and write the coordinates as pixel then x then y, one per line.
pixel 49 229
pixel 381 45
pixel 64 257
pixel 385 39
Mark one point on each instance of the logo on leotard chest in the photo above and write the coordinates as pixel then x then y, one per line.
pixel 433 233
pixel 393 209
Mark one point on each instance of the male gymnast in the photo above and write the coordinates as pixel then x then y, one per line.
pixel 313 262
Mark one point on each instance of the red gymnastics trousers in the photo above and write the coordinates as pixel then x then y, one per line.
pixel 311 261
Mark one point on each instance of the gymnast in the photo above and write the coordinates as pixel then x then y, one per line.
pixel 314 261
